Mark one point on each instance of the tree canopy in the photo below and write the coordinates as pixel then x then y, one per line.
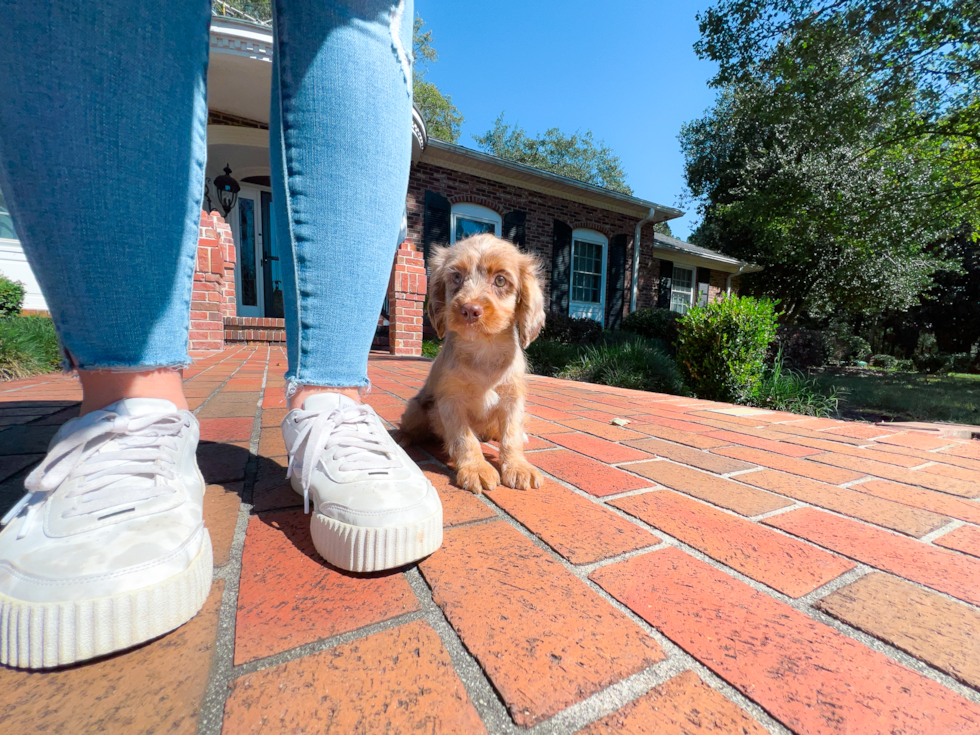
pixel 843 151
pixel 577 156
pixel 442 118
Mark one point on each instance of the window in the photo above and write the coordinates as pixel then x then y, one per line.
pixel 682 290
pixel 588 287
pixel 6 223
pixel 472 219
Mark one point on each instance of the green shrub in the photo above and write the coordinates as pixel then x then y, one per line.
pixel 888 362
pixel 961 362
pixel 570 331
pixel 722 347
pixel 28 346
pixel 638 364
pixel 549 357
pixel 654 324
pixel 785 389
pixel 933 362
pixel 431 347
pixel 905 366
pixel 11 297
pixel 803 348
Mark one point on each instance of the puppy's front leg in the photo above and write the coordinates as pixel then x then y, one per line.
pixel 473 472
pixel 518 473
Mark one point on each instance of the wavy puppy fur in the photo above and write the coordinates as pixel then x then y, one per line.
pixel 485 299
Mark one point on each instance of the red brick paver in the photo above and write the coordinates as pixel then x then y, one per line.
pixel 719 531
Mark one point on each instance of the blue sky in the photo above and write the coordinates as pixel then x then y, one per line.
pixel 625 69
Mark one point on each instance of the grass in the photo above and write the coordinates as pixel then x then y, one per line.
pixel 28 346
pixel 893 396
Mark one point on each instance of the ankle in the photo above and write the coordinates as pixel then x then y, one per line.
pixel 305 391
pixel 102 387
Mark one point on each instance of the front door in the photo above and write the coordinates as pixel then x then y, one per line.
pixel 258 272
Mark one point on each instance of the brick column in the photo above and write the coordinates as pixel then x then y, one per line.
pixel 406 294
pixel 213 293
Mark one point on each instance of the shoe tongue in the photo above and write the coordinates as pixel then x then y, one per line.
pixel 328 402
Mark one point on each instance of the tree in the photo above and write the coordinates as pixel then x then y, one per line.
pixel 442 118
pixel 840 173
pixel 663 228
pixel 577 156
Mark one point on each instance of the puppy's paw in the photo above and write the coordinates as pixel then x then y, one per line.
pixel 521 476
pixel 477 477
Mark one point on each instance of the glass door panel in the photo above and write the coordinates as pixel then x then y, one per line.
pixel 271 264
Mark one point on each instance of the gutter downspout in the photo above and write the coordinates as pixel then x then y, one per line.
pixel 728 282
pixel 636 258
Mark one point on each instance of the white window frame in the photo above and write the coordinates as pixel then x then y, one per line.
pixel 475 212
pixel 582 309
pixel 691 293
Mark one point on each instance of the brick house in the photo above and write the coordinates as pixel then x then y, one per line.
pixel 584 235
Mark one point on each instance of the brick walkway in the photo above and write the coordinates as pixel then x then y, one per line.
pixel 705 569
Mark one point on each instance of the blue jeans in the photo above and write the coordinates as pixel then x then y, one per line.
pixel 103 122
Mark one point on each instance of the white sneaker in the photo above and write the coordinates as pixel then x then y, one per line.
pixel 108 549
pixel 373 507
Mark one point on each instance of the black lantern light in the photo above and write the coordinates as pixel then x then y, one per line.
pixel 227 189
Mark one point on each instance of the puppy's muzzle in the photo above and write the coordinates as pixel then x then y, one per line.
pixel 471 313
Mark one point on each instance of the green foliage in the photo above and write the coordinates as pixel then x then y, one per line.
pixel 568 330
pixel 722 347
pixel 549 357
pixel 442 118
pixel 887 362
pixel 803 348
pixel 842 151
pixel 260 10
pixel 663 228
pixel 578 156
pixel 11 297
pixel 431 347
pixel 638 364
pixel 785 389
pixel 655 324
pixel 28 346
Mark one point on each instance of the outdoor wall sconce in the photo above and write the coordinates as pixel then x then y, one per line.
pixel 227 189
pixel 207 196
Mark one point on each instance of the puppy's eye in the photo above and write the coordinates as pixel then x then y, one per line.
pixel 457 277
pixel 500 281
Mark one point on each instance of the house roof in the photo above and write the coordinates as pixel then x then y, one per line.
pixel 669 248
pixel 467 160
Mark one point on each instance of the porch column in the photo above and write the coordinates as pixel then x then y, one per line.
pixel 213 292
pixel 406 294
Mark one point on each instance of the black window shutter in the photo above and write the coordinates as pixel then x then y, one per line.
pixel 704 278
pixel 561 267
pixel 615 281
pixel 435 226
pixel 514 229
pixel 666 276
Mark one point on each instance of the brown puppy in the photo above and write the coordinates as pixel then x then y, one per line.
pixel 485 298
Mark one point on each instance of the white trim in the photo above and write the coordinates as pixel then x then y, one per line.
pixel 475 213
pixel 583 309
pixel 253 192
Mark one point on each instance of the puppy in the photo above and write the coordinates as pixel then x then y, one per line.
pixel 484 297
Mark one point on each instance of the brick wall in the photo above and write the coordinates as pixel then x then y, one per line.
pixel 213 293
pixel 541 209
pixel 406 294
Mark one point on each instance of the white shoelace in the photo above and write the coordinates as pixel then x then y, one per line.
pixel 351 433
pixel 112 478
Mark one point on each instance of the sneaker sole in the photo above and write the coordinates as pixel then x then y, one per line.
pixel 367 549
pixel 41 635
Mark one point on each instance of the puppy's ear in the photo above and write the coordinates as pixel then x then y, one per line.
pixel 437 289
pixel 530 301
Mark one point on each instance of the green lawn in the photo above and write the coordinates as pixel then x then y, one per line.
pixel 878 395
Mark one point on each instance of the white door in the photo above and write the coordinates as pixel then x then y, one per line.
pixel 246 225
pixel 588 277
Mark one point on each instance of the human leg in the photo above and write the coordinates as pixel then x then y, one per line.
pixel 340 137
pixel 102 148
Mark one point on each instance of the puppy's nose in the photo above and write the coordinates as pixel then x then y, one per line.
pixel 471 312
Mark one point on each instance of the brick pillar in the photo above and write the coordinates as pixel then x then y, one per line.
pixel 406 294
pixel 213 293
